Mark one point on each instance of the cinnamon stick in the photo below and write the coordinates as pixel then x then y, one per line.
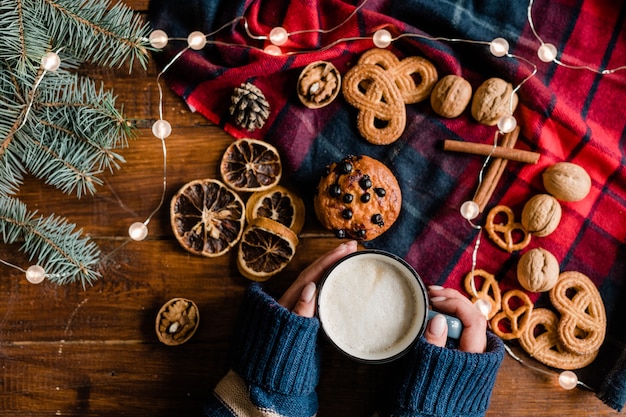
pixel 494 172
pixel 517 155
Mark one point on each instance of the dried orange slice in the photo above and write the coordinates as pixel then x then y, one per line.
pixel 207 217
pixel 265 249
pixel 250 165
pixel 277 203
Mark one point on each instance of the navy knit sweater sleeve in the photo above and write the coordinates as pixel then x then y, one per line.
pixel 442 382
pixel 275 362
pixel 275 370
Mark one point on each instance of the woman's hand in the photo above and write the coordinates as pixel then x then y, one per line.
pixel 451 302
pixel 300 296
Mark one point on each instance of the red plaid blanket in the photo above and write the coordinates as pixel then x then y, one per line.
pixel 565 114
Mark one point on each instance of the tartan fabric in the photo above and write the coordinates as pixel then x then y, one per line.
pixel 565 114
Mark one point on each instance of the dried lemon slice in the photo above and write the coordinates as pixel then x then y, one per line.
pixel 250 165
pixel 207 217
pixel 279 204
pixel 265 249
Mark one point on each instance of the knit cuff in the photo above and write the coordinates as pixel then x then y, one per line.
pixel 443 381
pixel 274 348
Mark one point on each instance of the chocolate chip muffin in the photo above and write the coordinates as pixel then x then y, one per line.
pixel 358 198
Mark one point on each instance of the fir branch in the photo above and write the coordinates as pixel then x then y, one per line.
pixel 71 132
pixel 96 31
pixel 53 242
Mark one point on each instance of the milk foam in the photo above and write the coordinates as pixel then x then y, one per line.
pixel 371 306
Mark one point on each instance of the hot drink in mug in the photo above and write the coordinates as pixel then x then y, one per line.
pixel 373 306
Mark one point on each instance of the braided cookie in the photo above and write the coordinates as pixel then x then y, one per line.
pixel 380 85
pixel 541 341
pixel 582 326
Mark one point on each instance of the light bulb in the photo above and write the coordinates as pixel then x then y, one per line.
pixel 278 36
pixel 499 47
pixel 469 210
pixel 196 40
pixel 161 129
pixel 272 50
pixel 382 38
pixel 138 231
pixel 547 52
pixel 483 306
pixel 35 274
pixel 158 39
pixel 507 124
pixel 51 61
pixel 568 380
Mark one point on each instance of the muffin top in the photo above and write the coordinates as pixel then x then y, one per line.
pixel 358 198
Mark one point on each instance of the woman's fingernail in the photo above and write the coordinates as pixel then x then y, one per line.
pixel 349 245
pixel 308 292
pixel 438 325
pixel 436 287
pixel 437 299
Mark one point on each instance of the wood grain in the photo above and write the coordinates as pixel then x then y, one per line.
pixel 71 351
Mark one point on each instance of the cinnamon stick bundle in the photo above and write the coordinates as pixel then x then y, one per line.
pixel 494 172
pixel 511 154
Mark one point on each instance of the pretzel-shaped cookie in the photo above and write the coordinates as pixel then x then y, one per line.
pixel 489 290
pixel 541 341
pixel 502 234
pixel 401 72
pixel 582 326
pixel 517 318
pixel 370 89
pixel 380 85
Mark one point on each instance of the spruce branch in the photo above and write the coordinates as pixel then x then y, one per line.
pixel 56 125
pixel 90 30
pixel 55 244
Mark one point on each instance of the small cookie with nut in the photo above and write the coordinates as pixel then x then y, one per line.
pixel 319 84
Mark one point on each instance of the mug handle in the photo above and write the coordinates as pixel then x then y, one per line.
pixel 455 327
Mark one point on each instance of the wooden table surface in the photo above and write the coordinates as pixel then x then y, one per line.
pixel 69 351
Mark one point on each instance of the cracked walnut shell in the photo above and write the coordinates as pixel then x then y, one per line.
pixel 319 84
pixel 177 321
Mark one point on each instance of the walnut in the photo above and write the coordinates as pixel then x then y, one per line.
pixel 177 321
pixel 541 215
pixel 567 181
pixel 318 84
pixel 450 96
pixel 493 99
pixel 538 270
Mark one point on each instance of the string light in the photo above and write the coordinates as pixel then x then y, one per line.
pixel 499 47
pixel 138 231
pixel 161 129
pixel 158 39
pixel 35 274
pixel 547 52
pixel 51 61
pixel 278 36
pixel 567 380
pixel 196 40
pixel 382 38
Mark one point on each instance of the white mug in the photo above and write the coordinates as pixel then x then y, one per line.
pixel 373 306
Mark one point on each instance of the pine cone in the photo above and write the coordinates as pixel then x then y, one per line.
pixel 249 107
